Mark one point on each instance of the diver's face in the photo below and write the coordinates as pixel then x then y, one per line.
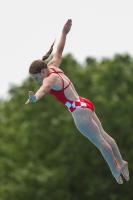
pixel 40 76
pixel 37 77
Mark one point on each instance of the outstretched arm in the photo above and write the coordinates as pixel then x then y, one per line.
pixel 45 88
pixel 60 47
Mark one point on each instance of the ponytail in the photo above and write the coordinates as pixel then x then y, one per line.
pixel 37 65
pixel 49 52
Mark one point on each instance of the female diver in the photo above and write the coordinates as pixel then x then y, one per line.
pixel 55 82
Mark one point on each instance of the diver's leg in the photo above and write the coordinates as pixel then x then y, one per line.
pixel 88 127
pixel 123 164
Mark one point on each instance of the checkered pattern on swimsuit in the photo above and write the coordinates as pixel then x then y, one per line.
pixel 74 105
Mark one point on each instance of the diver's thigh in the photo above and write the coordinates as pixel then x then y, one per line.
pixel 103 133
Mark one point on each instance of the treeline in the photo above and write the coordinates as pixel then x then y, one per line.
pixel 42 154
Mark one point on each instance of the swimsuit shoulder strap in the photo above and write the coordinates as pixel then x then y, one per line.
pixel 57 72
pixel 54 71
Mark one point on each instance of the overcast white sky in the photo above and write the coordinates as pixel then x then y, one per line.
pixel 100 29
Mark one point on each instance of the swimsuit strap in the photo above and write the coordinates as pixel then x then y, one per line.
pixel 57 72
pixel 67 85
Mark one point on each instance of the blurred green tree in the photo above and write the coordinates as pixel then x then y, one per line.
pixel 43 156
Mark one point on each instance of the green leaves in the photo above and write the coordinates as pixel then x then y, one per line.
pixel 44 156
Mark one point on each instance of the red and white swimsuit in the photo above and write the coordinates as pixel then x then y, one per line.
pixel 71 105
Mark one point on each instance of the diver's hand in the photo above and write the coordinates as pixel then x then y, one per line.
pixel 32 97
pixel 67 26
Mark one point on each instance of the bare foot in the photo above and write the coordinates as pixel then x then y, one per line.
pixel 117 175
pixel 124 171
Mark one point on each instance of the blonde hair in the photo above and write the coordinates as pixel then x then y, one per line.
pixel 37 65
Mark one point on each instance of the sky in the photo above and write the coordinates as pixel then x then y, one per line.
pixel 100 28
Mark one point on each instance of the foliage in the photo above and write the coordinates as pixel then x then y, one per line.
pixel 43 156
